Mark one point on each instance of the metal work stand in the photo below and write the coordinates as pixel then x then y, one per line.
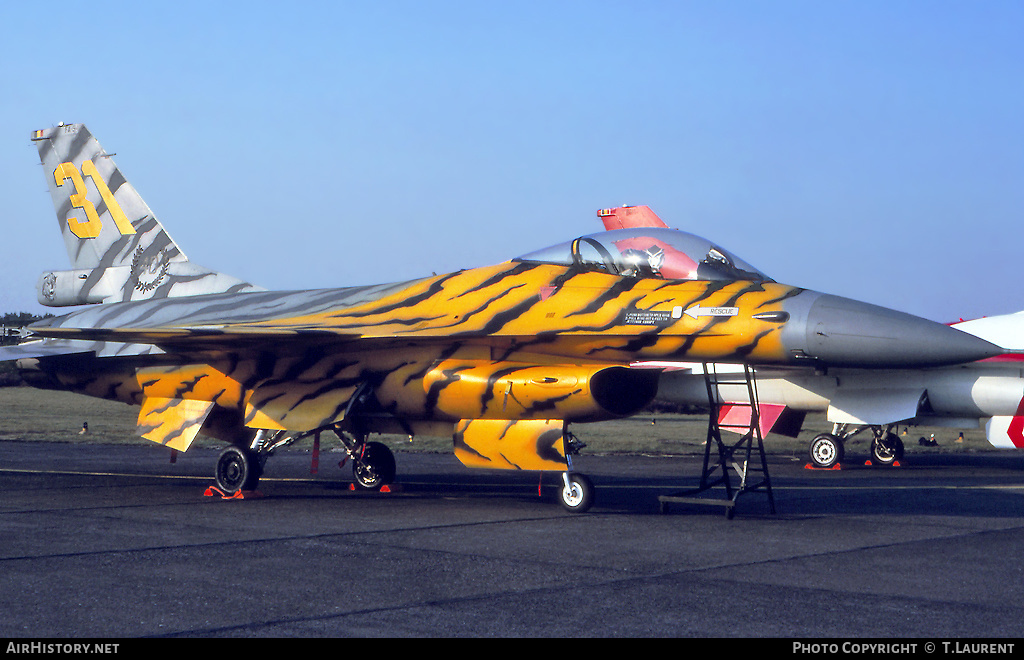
pixel 727 454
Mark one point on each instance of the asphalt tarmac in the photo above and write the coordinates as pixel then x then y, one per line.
pixel 107 542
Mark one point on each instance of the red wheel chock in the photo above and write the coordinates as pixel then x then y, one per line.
pixel 870 464
pixel 383 489
pixel 213 491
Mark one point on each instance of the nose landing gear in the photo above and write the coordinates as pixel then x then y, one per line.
pixel 577 492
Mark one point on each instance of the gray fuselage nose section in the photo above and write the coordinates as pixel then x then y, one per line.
pixel 839 331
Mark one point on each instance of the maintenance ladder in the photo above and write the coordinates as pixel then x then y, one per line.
pixel 745 448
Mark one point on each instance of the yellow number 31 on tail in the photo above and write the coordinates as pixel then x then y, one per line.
pixel 90 227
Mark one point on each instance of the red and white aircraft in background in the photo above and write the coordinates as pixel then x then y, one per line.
pixel 988 392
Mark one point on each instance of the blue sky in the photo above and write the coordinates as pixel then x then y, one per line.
pixel 873 150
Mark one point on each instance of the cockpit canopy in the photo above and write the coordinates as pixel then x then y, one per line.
pixel 649 252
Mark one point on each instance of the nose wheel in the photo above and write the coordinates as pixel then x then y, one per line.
pixel 577 492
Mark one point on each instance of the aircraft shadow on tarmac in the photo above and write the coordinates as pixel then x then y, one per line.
pixel 983 484
pixel 988 484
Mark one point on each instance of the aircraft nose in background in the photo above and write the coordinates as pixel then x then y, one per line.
pixel 841 331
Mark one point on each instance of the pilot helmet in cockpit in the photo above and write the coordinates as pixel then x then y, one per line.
pixel 643 263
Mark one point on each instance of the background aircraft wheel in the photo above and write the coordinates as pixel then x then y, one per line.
pixel 826 450
pixel 237 469
pixel 578 495
pixel 887 450
pixel 376 468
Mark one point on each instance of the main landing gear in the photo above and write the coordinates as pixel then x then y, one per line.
pixel 239 468
pixel 826 449
pixel 886 448
pixel 373 464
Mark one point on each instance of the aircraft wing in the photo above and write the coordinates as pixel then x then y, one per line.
pixel 233 337
pixel 174 336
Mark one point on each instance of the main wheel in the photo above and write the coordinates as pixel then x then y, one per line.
pixel 826 450
pixel 237 469
pixel 577 493
pixel 887 450
pixel 376 466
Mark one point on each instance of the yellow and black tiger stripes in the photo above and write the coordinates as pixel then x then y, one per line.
pixel 559 311
pixel 536 444
pixel 172 422
pixel 512 341
pixel 509 390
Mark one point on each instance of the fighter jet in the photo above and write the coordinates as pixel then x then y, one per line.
pixel 989 392
pixel 500 358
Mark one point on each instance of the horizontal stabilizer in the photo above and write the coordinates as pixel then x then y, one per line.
pixel 38 349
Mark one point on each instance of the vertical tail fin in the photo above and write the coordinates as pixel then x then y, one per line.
pixel 117 247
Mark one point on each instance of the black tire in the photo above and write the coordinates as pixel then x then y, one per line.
pixel 578 497
pixel 886 451
pixel 237 470
pixel 826 450
pixel 376 467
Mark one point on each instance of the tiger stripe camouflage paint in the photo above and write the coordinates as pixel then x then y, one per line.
pixel 172 422
pixel 511 445
pixel 117 247
pixel 495 326
pixel 587 315
pixel 499 357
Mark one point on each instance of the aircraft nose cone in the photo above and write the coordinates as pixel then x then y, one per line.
pixel 846 332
